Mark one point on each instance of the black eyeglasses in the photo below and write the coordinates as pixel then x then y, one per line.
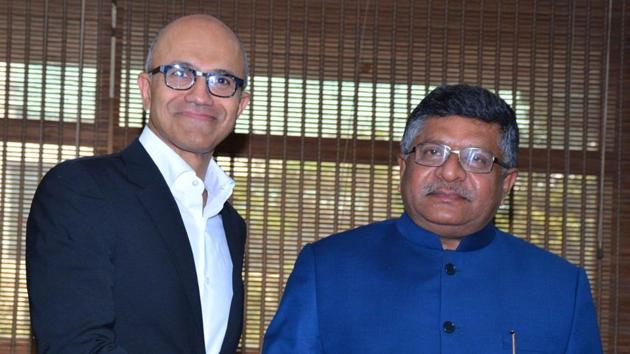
pixel 181 77
pixel 471 159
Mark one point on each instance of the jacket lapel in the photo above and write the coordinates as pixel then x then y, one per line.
pixel 157 200
pixel 235 232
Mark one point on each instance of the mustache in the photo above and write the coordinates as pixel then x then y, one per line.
pixel 453 187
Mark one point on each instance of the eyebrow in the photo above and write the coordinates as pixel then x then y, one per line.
pixel 224 72
pixel 183 63
pixel 441 142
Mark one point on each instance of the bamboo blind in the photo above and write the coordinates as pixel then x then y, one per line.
pixel 332 83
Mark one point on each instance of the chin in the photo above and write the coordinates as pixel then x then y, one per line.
pixel 447 219
pixel 447 222
pixel 448 212
pixel 198 149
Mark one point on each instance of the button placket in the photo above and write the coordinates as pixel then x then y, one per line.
pixel 448 326
pixel 449 283
pixel 450 269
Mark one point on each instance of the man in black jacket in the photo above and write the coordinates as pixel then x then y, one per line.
pixel 140 251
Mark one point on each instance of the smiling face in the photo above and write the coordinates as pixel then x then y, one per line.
pixel 447 200
pixel 193 122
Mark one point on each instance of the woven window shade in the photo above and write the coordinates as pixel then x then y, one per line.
pixel 315 153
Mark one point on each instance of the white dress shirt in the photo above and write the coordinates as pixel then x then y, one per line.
pixel 204 227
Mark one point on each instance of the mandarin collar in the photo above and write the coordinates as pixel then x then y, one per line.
pixel 427 239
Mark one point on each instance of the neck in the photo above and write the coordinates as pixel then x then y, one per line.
pixel 198 162
pixel 449 243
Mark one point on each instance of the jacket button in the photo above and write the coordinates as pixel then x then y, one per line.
pixel 450 268
pixel 449 327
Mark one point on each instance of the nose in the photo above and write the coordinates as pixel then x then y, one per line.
pixel 198 93
pixel 451 170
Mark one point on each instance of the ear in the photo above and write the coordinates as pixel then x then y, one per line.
pixel 244 101
pixel 508 180
pixel 144 84
pixel 402 166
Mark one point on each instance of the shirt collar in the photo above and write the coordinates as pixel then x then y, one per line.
pixel 218 184
pixel 168 162
pixel 427 239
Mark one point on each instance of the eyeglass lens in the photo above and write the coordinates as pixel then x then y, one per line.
pixel 471 159
pixel 183 78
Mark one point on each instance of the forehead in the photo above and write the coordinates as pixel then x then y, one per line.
pixel 460 132
pixel 202 42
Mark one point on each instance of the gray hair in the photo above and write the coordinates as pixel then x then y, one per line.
pixel 467 101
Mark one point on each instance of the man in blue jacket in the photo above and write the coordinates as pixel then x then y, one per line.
pixel 441 278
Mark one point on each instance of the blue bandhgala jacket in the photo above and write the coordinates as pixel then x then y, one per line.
pixel 389 287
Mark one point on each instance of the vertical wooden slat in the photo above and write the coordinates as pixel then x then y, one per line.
pixel 127 49
pixel 497 48
pixel 340 150
pixel 392 74
pixel 374 82
pixel 445 40
pixel 619 324
pixel 462 32
pixel 303 70
pixel 321 212
pixel 567 128
pixel 77 131
pixel 550 101
pixel 619 335
pixel 429 48
pixel 63 64
pixel 21 212
pixel 470 43
pixel 600 292
pixel 266 257
pixel 585 119
pixel 284 235
pixel 248 267
pixel 531 118
pixel 480 44
pixel 5 125
pixel 410 55
pixel 40 162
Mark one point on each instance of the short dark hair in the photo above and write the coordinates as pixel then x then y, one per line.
pixel 468 101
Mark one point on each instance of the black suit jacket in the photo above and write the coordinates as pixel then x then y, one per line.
pixel 109 264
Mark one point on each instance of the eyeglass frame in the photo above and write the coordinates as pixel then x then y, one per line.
pixel 450 151
pixel 239 83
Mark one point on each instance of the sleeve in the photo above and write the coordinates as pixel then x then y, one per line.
pixel 585 338
pixel 69 268
pixel 294 328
